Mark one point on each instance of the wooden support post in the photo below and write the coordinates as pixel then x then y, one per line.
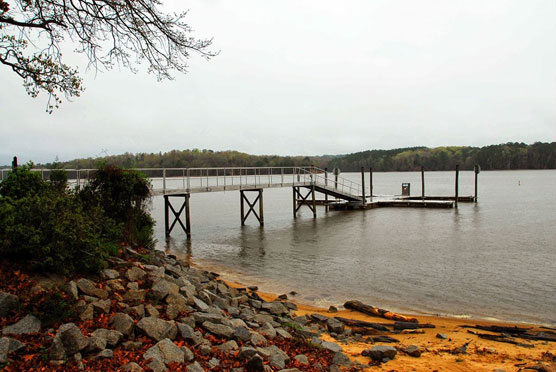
pixel 294 203
pixel 371 181
pixel 187 216
pixel 166 211
pixel 477 170
pixel 314 201
pixel 326 195
pixel 422 183
pixel 261 211
pixel 363 198
pixel 242 209
pixel 457 185
pixel 259 199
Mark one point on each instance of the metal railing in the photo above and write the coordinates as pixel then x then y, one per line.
pixel 220 179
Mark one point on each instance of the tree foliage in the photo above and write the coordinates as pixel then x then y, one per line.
pixel 107 32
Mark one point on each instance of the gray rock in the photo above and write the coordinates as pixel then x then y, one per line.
pixel 176 304
pixel 200 318
pixel 319 317
pixel 133 367
pixel 255 364
pixel 138 310
pixel 88 313
pixel 112 337
pixel 132 345
pixel 441 336
pixel 157 366
pixel 152 311
pixel 258 340
pixel 4 349
pixel 158 329
pixel 228 347
pixel 277 361
pixel 72 289
pixel 72 339
pixel 331 346
pixel 134 274
pixel 341 359
pixel 200 304
pixel 242 333
pixel 8 302
pixel 332 309
pixel 163 288
pixel 115 284
pixel 213 362
pixel 381 352
pixel 135 296
pixel 110 274
pixel 290 370
pixel 187 354
pixel 413 350
pixel 56 350
pixel 96 344
pixel 105 354
pixel 123 323
pixel 247 352
pixel 301 359
pixel 195 367
pixel 275 308
pixel 102 305
pixel 88 287
pixel 165 351
pixel 283 333
pixel 14 345
pixel 268 331
pixel 219 329
pixel 334 325
pixel 25 326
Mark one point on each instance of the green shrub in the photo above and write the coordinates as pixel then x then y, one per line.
pixel 22 182
pixel 123 195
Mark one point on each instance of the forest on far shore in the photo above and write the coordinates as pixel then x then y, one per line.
pixel 539 155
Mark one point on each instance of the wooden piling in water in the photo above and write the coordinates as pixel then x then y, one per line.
pixel 457 186
pixel 326 195
pixel 477 169
pixel 422 182
pixel 371 182
pixel 364 200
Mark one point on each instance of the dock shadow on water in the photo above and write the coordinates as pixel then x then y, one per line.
pixel 492 259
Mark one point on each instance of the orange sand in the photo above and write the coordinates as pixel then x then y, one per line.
pixel 482 355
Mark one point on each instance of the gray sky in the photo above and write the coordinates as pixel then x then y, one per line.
pixel 314 77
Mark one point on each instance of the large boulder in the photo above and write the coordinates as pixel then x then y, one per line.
pixel 158 329
pixel 275 308
pixel 123 323
pixel 335 326
pixel 71 338
pixel 8 302
pixel 25 326
pixel 134 274
pixel 165 351
pixel 88 287
pixel 135 296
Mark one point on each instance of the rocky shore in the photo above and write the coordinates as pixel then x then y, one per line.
pixel 152 312
pixel 155 313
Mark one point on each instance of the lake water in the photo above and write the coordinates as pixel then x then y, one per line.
pixel 495 259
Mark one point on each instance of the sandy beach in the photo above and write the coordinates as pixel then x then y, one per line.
pixel 438 354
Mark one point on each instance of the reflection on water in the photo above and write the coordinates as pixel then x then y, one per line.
pixel 496 258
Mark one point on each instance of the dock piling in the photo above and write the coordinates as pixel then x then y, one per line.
pixel 422 183
pixel 364 199
pixel 477 169
pixel 457 186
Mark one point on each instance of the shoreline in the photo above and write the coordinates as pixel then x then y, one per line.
pixel 438 354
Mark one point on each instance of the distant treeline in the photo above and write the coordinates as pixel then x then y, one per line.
pixel 505 156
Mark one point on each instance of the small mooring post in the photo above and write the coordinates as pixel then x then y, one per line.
pixel 314 200
pixel 422 183
pixel 371 182
pixel 477 170
pixel 326 195
pixel 294 203
pixel 457 186
pixel 363 198
pixel 14 163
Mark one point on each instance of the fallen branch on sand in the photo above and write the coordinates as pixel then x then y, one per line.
pixel 375 311
pixel 500 338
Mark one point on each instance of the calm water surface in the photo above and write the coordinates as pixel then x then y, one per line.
pixel 494 259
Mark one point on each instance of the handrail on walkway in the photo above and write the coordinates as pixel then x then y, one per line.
pixel 197 179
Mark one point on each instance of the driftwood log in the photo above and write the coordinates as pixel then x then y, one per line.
pixel 500 329
pixel 410 325
pixel 375 311
pixel 500 338
pixel 364 331
pixel 363 324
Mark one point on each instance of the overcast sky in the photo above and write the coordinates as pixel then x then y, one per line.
pixel 304 77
